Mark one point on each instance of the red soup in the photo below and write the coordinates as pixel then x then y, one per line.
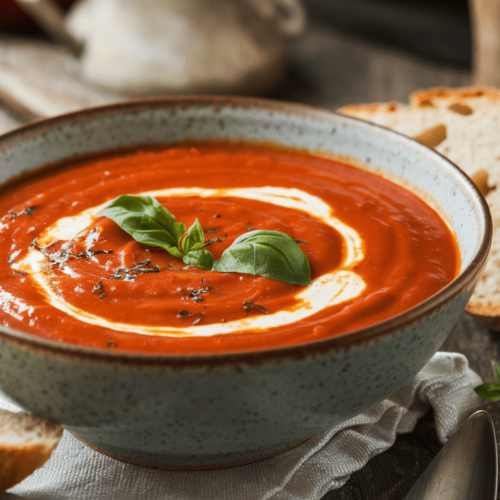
pixel 68 274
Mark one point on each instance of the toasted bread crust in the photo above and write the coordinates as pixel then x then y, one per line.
pixel 483 309
pixel 486 313
pixel 17 463
pixel 26 443
pixel 355 109
pixel 425 98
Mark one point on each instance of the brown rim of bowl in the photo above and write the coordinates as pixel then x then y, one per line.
pixel 321 347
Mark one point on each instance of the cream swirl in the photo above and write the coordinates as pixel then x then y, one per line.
pixel 338 286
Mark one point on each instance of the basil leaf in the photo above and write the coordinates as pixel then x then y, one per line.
pixel 175 252
pixel 199 258
pixel 146 220
pixel 496 367
pixel 489 391
pixel 270 254
pixel 194 239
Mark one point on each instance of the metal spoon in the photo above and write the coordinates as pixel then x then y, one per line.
pixel 466 468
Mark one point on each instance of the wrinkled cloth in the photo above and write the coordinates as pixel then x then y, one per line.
pixel 308 471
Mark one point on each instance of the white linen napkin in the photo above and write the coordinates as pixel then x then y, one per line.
pixel 325 462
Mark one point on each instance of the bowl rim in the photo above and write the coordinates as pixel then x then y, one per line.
pixel 336 343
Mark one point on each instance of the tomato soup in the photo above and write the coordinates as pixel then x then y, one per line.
pixel 374 248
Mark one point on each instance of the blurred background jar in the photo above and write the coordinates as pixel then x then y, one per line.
pixel 148 47
pixel 185 46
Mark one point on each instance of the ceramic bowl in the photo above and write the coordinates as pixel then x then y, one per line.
pixel 217 410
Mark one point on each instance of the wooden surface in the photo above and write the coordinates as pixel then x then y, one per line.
pixel 327 69
pixel 486 30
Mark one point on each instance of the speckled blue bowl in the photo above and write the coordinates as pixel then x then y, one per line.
pixel 217 410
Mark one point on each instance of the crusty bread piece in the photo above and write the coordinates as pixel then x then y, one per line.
pixel 26 443
pixel 464 125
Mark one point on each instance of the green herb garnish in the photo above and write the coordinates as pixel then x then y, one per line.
pixel 213 240
pixel 196 294
pixel 270 254
pixel 125 274
pixel 64 253
pixel 28 211
pixel 99 290
pixel 491 390
pixel 248 305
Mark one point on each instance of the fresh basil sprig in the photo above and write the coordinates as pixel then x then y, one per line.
pixel 149 222
pixel 270 254
pixel 491 390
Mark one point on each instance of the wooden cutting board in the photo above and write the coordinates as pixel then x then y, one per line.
pixel 40 79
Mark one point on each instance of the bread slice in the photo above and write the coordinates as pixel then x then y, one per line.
pixel 463 124
pixel 26 443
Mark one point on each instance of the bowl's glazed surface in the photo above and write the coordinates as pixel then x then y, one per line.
pixel 215 410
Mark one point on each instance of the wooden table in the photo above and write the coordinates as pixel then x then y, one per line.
pixel 329 69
